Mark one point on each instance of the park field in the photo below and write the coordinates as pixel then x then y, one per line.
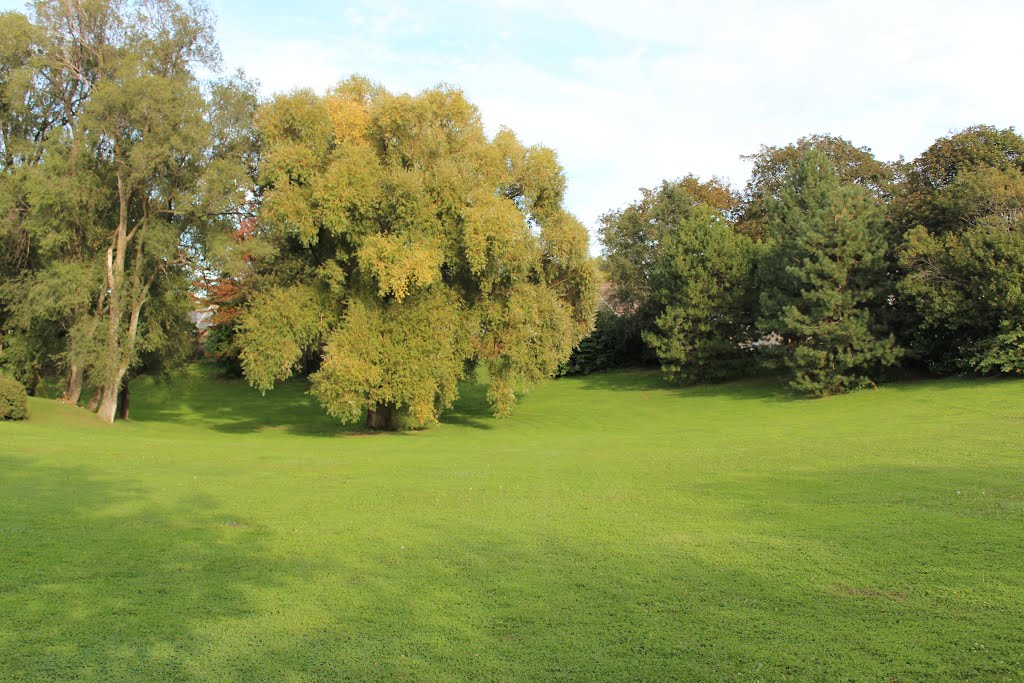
pixel 615 528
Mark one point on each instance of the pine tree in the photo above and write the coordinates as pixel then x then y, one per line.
pixel 824 281
pixel 705 276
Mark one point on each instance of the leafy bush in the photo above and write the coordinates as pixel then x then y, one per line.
pixel 222 345
pixel 1003 354
pixel 13 399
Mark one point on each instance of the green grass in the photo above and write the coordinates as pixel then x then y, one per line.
pixel 613 529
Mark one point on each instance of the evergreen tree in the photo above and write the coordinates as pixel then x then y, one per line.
pixel 772 165
pixel 704 276
pixel 824 280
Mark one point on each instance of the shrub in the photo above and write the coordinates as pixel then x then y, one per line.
pixel 13 399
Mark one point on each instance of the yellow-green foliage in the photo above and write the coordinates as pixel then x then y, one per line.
pixel 524 337
pixel 430 246
pixel 408 354
pixel 279 324
pixel 399 263
pixel 495 246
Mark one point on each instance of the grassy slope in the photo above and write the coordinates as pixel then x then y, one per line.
pixel 613 528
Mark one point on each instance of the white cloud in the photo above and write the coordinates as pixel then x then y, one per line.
pixel 631 93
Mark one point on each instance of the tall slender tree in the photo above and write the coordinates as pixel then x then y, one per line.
pixel 140 162
pixel 45 201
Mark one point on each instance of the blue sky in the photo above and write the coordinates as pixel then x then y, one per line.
pixel 631 92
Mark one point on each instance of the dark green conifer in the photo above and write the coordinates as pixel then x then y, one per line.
pixel 824 281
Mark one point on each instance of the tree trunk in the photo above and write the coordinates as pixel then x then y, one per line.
pixel 381 417
pixel 73 390
pixel 94 402
pixel 111 391
pixel 122 403
pixel 116 255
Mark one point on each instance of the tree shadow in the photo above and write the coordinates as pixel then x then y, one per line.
pixel 764 387
pixel 100 582
pixel 933 382
pixel 231 406
pixel 471 409
pixel 757 388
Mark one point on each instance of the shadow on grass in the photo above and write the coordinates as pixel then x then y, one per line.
pixel 760 388
pixel 231 406
pixel 948 382
pixel 764 387
pixel 99 582
pixel 472 409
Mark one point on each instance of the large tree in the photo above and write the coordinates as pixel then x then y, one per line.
pixel 408 247
pixel 928 194
pixel 824 280
pixel 139 162
pixel 46 204
pixel 633 237
pixel 962 209
pixel 634 240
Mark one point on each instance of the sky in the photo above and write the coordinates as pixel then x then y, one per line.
pixel 631 92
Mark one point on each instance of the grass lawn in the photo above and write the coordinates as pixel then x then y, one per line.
pixel 614 528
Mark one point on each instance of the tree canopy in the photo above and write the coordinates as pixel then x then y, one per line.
pixel 962 210
pixel 858 265
pixel 119 164
pixel 408 248
pixel 387 247
pixel 771 172
pixel 704 275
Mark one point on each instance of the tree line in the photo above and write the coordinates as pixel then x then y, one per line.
pixel 830 266
pixel 385 246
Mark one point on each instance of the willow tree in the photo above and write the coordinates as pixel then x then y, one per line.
pixel 408 247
